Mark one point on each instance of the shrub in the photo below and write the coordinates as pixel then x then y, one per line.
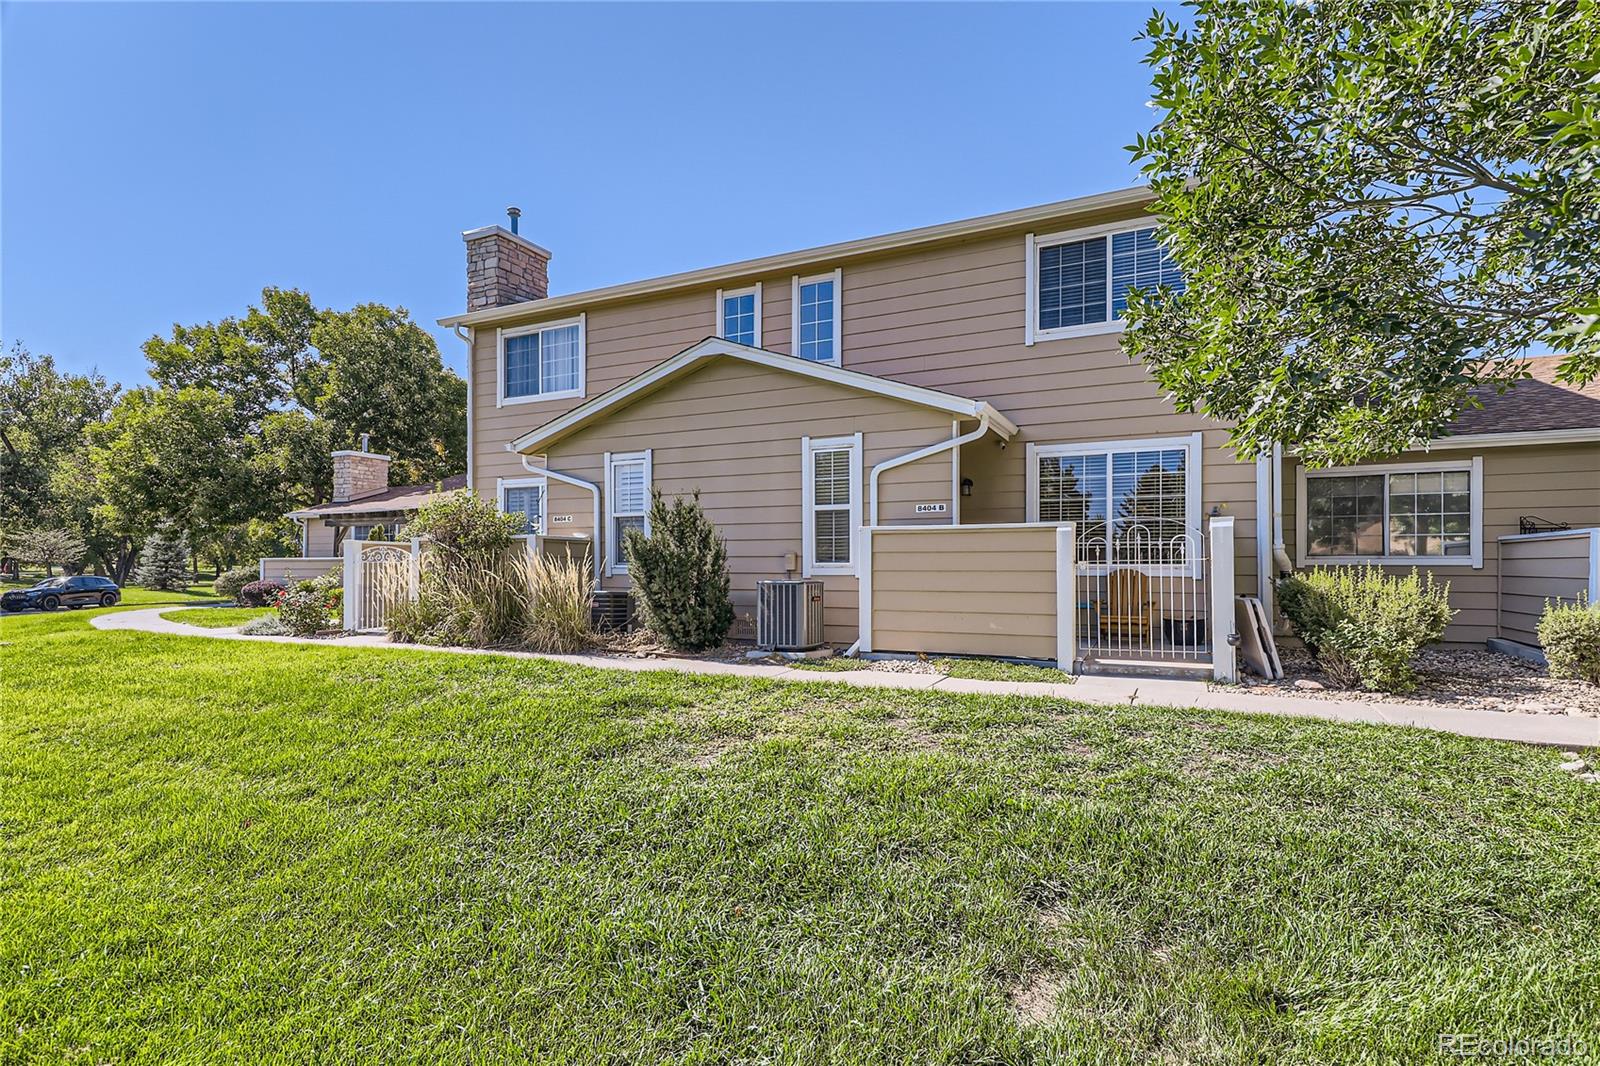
pixel 164 562
pixel 680 575
pixel 260 593
pixel 465 530
pixel 308 607
pixel 266 626
pixel 1364 627
pixel 232 582
pixel 558 614
pixel 1570 634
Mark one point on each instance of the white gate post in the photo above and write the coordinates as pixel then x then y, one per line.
pixel 1224 656
pixel 352 583
pixel 414 567
pixel 1067 597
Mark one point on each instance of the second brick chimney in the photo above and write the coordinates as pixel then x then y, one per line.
pixel 359 474
pixel 504 267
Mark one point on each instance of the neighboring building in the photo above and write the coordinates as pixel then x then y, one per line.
pixel 942 379
pixel 364 507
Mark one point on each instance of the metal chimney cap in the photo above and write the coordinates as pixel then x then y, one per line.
pixel 513 213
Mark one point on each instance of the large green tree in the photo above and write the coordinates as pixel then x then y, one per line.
pixel 1370 201
pixel 43 415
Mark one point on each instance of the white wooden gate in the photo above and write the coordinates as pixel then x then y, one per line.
pixel 377 575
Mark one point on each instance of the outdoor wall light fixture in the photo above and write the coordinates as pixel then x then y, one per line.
pixel 966 486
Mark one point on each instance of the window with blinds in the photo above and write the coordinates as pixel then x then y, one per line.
pixel 527 501
pixel 1079 284
pixel 628 501
pixel 542 362
pixel 1115 495
pixel 833 504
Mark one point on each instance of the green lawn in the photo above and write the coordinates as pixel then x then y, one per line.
pixel 217 617
pixel 218 850
pixel 980 669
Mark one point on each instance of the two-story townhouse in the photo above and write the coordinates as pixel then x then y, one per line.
pixel 968 377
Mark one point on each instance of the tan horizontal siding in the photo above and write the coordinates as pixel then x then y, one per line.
pixel 733 432
pixel 1559 483
pixel 965 592
pixel 1536 572
pixel 299 569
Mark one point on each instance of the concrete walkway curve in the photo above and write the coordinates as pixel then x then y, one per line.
pixel 1554 730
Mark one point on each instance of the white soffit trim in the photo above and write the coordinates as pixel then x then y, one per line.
pixel 714 347
pixel 789 262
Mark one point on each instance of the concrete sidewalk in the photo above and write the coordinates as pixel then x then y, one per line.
pixel 1555 730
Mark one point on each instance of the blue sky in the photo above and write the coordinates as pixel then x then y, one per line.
pixel 162 163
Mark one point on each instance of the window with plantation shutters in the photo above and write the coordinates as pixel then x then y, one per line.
pixel 627 503
pixel 832 503
pixel 525 499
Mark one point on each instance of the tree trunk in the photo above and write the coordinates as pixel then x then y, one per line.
pixel 123 563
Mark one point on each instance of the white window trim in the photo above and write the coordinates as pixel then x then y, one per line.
pixel 1193 519
pixel 1031 246
pixel 809 446
pixel 503 483
pixel 614 544
pixel 748 290
pixel 1474 467
pixel 837 277
pixel 500 335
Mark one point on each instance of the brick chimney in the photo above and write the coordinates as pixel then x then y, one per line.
pixel 359 474
pixel 504 267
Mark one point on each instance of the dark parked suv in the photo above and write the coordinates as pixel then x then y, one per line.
pixel 85 590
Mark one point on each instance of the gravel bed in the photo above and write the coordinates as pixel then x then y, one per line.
pixel 1452 677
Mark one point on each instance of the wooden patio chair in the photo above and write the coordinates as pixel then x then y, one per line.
pixel 1128 608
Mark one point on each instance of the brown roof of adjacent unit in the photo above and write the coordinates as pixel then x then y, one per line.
pixel 397 498
pixel 1538 402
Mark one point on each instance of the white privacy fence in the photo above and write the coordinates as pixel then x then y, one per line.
pixel 378 574
pixel 1048 592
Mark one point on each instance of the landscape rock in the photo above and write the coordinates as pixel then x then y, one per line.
pixel 1307 683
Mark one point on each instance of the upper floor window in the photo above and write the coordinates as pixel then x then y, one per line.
pixel 1405 513
pixel 739 315
pixel 525 497
pixel 1078 282
pixel 815 334
pixel 543 362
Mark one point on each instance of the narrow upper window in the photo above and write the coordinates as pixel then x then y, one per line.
pixel 627 503
pixel 1078 282
pixel 815 335
pixel 525 498
pixel 543 362
pixel 832 503
pixel 739 315
pixel 1405 513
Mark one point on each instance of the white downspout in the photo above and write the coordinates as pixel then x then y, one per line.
pixel 469 336
pixel 578 482
pixel 923 453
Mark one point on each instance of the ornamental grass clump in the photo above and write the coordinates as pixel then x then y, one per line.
pixel 1570 636
pixel 680 575
pixel 1363 627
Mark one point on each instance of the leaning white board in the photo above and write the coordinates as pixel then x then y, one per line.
pixel 1260 651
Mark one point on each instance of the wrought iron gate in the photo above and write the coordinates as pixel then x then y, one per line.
pixel 1143 594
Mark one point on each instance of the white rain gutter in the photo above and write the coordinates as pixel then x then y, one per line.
pixel 577 482
pixel 469 336
pixel 923 453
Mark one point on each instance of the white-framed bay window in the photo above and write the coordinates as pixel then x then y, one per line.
pixel 628 482
pixel 524 496
pixel 830 502
pixel 1394 514
pixel 739 315
pixel 815 332
pixel 1078 280
pixel 1143 493
pixel 541 362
